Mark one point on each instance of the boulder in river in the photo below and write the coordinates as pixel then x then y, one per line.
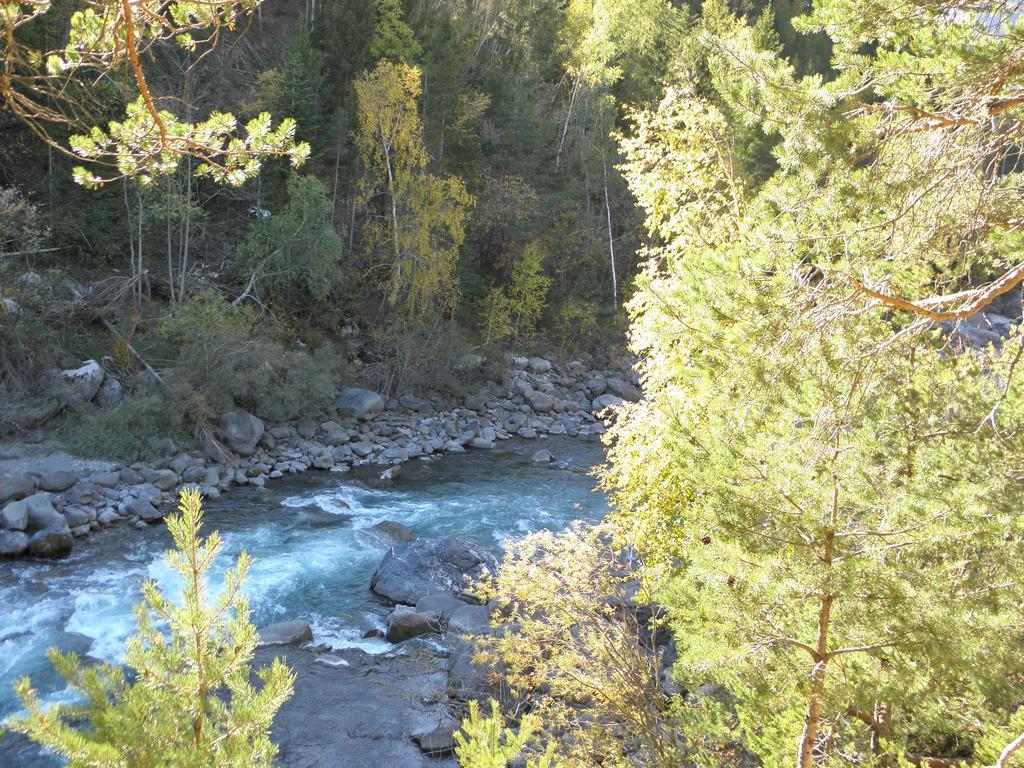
pixel 145 510
pixel 542 456
pixel 80 385
pixel 443 605
pixel 396 531
pixel 52 542
pixel 405 622
pixel 37 511
pixel 13 543
pixel 430 566
pixel 242 431
pixel 285 633
pixel 359 403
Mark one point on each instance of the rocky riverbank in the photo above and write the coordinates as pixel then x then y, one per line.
pixel 48 501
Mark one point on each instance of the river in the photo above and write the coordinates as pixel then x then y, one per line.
pixel 314 546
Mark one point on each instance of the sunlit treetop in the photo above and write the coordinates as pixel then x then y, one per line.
pixel 39 88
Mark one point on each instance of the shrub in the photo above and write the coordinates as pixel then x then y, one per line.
pixel 419 356
pixel 223 363
pixel 513 312
pixel 575 324
pixel 485 742
pixel 188 702
pixel 21 225
pixel 141 426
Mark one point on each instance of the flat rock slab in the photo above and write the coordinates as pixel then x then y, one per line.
pixel 360 716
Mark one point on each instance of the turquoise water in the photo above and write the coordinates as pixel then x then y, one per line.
pixel 314 548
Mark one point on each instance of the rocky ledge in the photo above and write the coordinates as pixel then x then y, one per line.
pixel 48 501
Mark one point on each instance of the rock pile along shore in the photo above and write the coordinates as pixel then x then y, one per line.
pixel 45 507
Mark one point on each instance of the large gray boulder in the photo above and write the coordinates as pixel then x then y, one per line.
pixel 56 480
pixel 436 743
pixel 111 392
pixel 285 633
pixel 443 605
pixel 78 386
pixel 13 543
pixel 539 365
pixel 604 402
pixel 14 516
pixel 242 431
pixel 539 402
pixel 405 622
pixel 625 390
pixel 411 571
pixel 144 509
pixel 15 487
pixel 470 620
pixel 51 542
pixel 542 456
pixel 359 403
pixel 33 513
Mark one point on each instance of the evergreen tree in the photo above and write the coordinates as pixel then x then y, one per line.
pixel 392 39
pixel 293 257
pixel 188 700
pixel 824 494
pixel 150 141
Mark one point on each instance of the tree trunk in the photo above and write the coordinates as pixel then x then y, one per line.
pixel 809 735
pixel 394 198
pixel 611 240
pixel 568 115
pixel 170 254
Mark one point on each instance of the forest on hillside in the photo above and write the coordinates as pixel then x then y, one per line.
pixel 805 221
pixel 450 189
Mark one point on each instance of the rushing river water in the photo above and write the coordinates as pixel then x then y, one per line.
pixel 314 548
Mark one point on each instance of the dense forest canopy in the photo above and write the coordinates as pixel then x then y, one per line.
pixel 807 214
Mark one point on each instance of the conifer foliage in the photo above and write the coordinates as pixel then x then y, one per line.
pixel 827 495
pixel 186 698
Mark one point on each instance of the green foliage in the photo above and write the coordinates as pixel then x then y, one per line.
pixel 294 255
pixel 223 156
pixel 820 491
pixel 575 324
pixel 392 39
pixel 417 240
pixel 297 87
pixel 572 644
pixel 144 425
pixel 513 312
pixel 420 355
pixel 22 227
pixel 191 702
pixel 149 142
pixel 485 742
pixel 224 361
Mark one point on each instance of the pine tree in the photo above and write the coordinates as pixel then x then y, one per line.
pixel 185 698
pixel 825 495
pixel 393 40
